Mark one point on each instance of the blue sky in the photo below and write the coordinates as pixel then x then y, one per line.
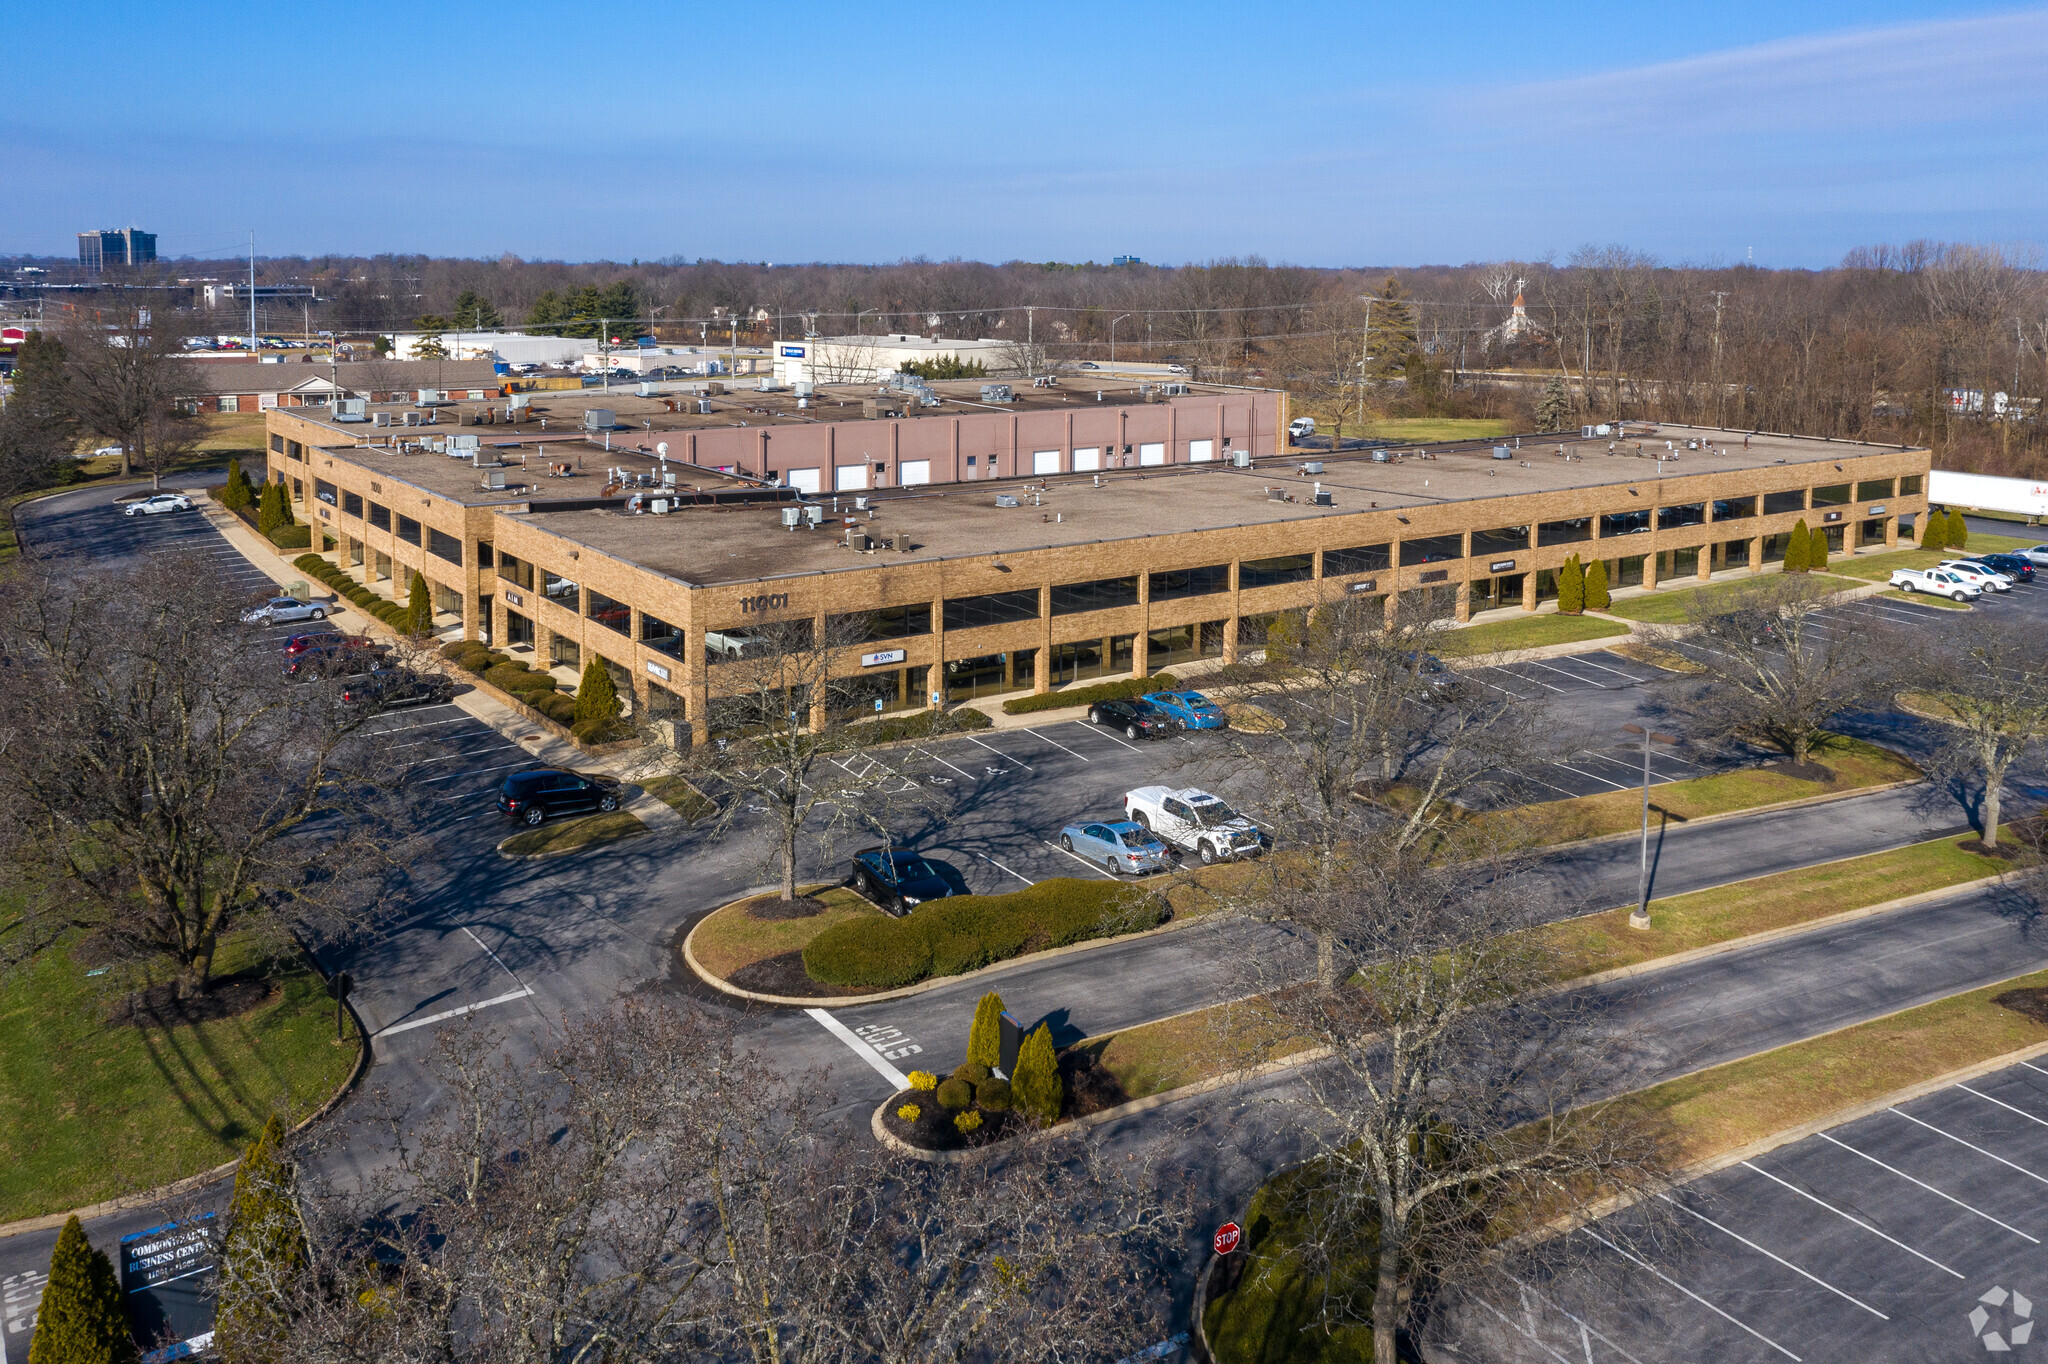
pixel 1322 134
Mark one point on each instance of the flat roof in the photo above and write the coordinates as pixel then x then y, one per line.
pixel 742 544
pixel 535 471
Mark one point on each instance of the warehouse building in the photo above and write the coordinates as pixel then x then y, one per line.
pixel 653 562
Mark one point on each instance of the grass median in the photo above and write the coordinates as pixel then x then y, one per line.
pixel 731 938
pixel 94 1104
pixel 574 835
pixel 1530 632
pixel 681 796
pixel 1878 567
pixel 1674 605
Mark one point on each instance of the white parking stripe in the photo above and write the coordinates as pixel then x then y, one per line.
pixel 1069 852
pixel 1000 754
pixel 1018 874
pixel 502 767
pixel 1056 744
pixel 1567 672
pixel 1537 680
pixel 1593 775
pixel 1812 1278
pixel 1521 1330
pixel 426 724
pixel 1689 1293
pixel 2032 1240
pixel 937 759
pixel 2003 1104
pixel 521 993
pixel 866 1053
pixel 1850 1218
pixel 1972 1146
pixel 1107 735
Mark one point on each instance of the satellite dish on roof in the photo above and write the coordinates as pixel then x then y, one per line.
pixel 662 449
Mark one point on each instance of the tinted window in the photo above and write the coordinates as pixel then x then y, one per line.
pixel 1909 485
pixel 408 530
pixel 1287 568
pixel 1625 523
pixel 997 608
pixel 1833 495
pixel 515 571
pixel 1431 549
pixel 1873 490
pixel 1363 559
pixel 1691 514
pixel 1487 543
pixel 659 634
pixel 352 503
pixel 1735 509
pixel 447 546
pixel 1190 582
pixel 613 615
pixel 1776 504
pixel 559 588
pixel 1565 532
pixel 380 517
pixel 323 490
pixel 885 622
pixel 1099 595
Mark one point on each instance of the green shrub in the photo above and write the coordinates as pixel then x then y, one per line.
pixel 967 1122
pixel 1796 547
pixel 1571 587
pixel 1958 536
pixel 1088 696
pixel 515 677
pixel 1598 598
pixel 454 652
pixel 82 1317
pixel 291 537
pixel 985 1037
pixel 599 731
pixel 1817 552
pixel 236 493
pixel 955 1094
pixel 993 1094
pixel 971 1073
pixel 596 696
pixel 272 510
pixel 1037 1088
pixel 313 564
pixel 923 724
pixel 962 932
pixel 557 707
pixel 419 606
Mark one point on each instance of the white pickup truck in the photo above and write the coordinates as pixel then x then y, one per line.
pixel 1940 581
pixel 1194 821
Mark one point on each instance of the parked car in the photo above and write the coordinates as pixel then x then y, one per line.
pixel 157 503
pixel 1936 580
pixel 2011 565
pixel 897 879
pixel 1089 364
pixel 2037 555
pixel 1300 427
pixel 733 643
pixel 381 688
pixel 1190 708
pixel 1176 369
pixel 1195 821
pixel 341 660
pixel 330 641
pixel 532 797
pixel 1973 571
pixel 1137 719
pixel 1431 670
pixel 1119 847
pixel 278 610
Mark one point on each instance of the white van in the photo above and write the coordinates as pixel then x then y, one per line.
pixel 1301 426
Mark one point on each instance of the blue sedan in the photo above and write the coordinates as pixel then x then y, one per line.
pixel 1119 847
pixel 1191 708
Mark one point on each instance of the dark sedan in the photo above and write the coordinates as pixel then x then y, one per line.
pixel 532 797
pixel 2011 565
pixel 390 688
pixel 1137 719
pixel 332 656
pixel 896 879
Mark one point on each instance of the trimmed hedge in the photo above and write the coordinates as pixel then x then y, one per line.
pixel 963 932
pixel 292 537
pixel 921 725
pixel 1088 696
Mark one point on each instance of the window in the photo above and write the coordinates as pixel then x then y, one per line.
pixel 276 441
pixel 1183 644
pixel 324 490
pixel 483 554
pixel 1690 514
pixel 355 550
pixel 559 589
pixel 1873 490
pixel 1287 568
pixel 565 653
pixel 380 517
pixel 967 678
pixel 298 491
pixel 1190 582
pixel 447 601
pixel 408 530
pixel 1909 485
pixel 886 622
pixel 1363 559
pixel 612 615
pixel 1086 658
pixel 659 634
pixel 1565 532
pixel 352 503
pixel 913 472
pixel 1792 500
pixel 444 545
pixel 1100 595
pixel 1833 495
pixel 1734 509
pixel 997 608
pixel 294 450
pixel 516 571
pixel 1635 522
pixel 1486 544
pixel 1432 549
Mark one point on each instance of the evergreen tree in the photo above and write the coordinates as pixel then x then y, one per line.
pixel 271 510
pixel 81 1319
pixel 1817 552
pixel 1036 1085
pixel 1554 408
pixel 237 494
pixel 620 302
pixel 1934 531
pixel 38 430
pixel 263 1251
pixel 546 314
pixel 419 607
pixel 1571 587
pixel 596 697
pixel 1958 530
pixel 584 317
pixel 1390 339
pixel 1796 548
pixel 985 1038
pixel 475 313
pixel 1597 596
pixel 429 346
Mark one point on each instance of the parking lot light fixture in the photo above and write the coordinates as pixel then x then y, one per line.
pixel 1640 916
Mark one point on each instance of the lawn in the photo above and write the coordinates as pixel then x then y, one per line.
pixel 1530 632
pixel 1878 567
pixel 1420 429
pixel 1923 599
pixel 730 938
pixel 1670 660
pixel 90 1109
pixel 573 835
pixel 1671 606
pixel 679 795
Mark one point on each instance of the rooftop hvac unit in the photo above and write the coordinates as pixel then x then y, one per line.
pixel 659 506
pixel 1382 457
pixel 1586 433
pixel 1322 497
pixel 380 419
pixel 432 397
pixel 792 517
pixel 1006 499
pixel 857 539
pixel 805 388
pixel 494 480
pixel 814 512
pixel 1503 452
pixel 350 410
pixel 769 386
pixel 516 403
pixel 996 393
pixel 643 389
pixel 1315 466
pixel 599 419
pixel 715 390
pixel 703 406
pixel 1174 390
pixel 412 419
pixel 902 542
pixel 463 445
pixel 1242 459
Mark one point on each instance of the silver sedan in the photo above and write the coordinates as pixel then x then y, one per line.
pixel 1119 847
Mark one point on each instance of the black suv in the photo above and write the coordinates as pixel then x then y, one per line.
pixel 1137 719
pixel 531 797
pixel 2011 565
pixel 388 688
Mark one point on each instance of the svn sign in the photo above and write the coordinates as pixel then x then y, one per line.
pixel 167 1279
pixel 1227 1237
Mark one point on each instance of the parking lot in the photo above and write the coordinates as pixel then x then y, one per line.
pixel 1910 1235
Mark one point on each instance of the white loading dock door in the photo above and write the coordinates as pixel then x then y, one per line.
pixel 1152 454
pixel 849 478
pixel 1086 458
pixel 912 472
pixel 1045 461
pixel 803 480
pixel 1201 450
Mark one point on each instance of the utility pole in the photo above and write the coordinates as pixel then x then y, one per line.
pixel 1030 342
pixel 1640 916
pixel 604 350
pixel 252 291
pixel 1364 346
pixel 1720 389
pixel 1112 338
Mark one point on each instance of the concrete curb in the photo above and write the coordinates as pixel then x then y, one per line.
pixel 719 983
pixel 148 1197
pixel 1828 798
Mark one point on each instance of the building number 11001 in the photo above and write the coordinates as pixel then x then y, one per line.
pixel 767 602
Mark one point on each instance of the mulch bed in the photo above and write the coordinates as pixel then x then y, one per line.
pixel 770 908
pixel 785 975
pixel 934 1130
pixel 159 1005
pixel 2008 851
pixel 2029 1003
pixel 1090 1086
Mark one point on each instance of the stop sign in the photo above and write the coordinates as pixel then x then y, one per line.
pixel 1227 1237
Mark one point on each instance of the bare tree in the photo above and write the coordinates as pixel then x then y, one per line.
pixel 163 784
pixel 124 380
pixel 1772 670
pixel 1988 684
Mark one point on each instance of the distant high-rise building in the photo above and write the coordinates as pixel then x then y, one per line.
pixel 126 246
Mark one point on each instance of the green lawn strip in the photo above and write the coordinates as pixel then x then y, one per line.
pixel 1729 1106
pixel 1435 428
pixel 1670 660
pixel 1271 1315
pixel 570 835
pixel 1672 605
pixel 679 795
pixel 1188 1048
pixel 1925 599
pixel 90 1109
pixel 1530 632
pixel 1878 567
pixel 1681 923
pixel 730 938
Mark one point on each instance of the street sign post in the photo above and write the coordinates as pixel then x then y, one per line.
pixel 1227 1237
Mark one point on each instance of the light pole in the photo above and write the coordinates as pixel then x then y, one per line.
pixel 859 328
pixel 1640 916
pixel 1112 336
